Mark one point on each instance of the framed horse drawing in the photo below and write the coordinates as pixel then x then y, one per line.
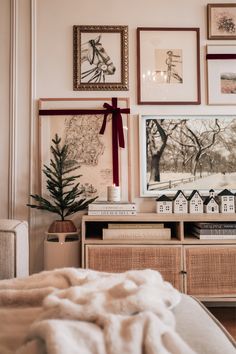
pixel 100 56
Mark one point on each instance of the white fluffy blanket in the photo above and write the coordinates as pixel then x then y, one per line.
pixel 69 311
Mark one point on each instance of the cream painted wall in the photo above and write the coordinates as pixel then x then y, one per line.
pixel 44 69
pixel 54 33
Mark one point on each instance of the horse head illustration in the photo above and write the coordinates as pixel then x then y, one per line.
pixel 95 55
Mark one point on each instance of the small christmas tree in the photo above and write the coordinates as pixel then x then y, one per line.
pixel 58 183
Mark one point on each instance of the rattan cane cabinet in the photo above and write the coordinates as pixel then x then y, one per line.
pixel 203 268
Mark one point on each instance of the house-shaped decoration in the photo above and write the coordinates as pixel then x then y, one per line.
pixel 195 203
pixel 164 205
pixel 227 201
pixel 180 203
pixel 211 205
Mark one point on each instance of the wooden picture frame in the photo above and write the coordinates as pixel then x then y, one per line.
pixel 186 153
pixel 91 150
pixel 221 74
pixel 221 21
pixel 168 66
pixel 100 58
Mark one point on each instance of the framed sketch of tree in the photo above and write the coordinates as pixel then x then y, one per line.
pixel 78 122
pixel 100 57
pixel 168 67
pixel 221 21
pixel 186 152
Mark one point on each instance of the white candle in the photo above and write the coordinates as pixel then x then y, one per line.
pixel 113 193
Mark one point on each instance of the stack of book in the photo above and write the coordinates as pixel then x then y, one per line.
pixel 214 230
pixel 141 232
pixel 111 208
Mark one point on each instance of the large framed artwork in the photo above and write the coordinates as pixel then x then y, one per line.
pixel 100 56
pixel 78 122
pixel 221 71
pixel 221 21
pixel 187 152
pixel 168 66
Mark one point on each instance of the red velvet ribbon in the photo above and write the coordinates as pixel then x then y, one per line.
pixel 220 56
pixel 117 134
pixel 117 127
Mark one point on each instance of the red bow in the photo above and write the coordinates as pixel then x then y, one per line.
pixel 117 133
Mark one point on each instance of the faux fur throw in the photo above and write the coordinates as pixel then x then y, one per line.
pixel 69 311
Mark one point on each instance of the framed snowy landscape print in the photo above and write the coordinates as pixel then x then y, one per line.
pixel 78 122
pixel 186 153
pixel 168 65
pixel 221 72
pixel 221 21
pixel 100 57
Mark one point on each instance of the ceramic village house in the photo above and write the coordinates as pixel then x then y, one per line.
pixel 195 202
pixel 164 205
pixel 227 201
pixel 180 203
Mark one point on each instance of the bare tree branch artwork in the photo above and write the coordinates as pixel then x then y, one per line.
pixel 196 148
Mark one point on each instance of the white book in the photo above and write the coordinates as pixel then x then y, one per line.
pixel 216 237
pixel 111 206
pixel 136 234
pixel 112 212
pixel 136 226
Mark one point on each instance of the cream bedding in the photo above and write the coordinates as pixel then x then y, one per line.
pixel 83 311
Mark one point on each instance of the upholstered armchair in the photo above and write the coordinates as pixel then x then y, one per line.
pixel 14 248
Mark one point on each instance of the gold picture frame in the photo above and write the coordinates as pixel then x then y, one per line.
pixel 100 58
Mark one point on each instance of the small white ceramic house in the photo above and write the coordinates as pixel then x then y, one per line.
pixel 195 203
pixel 227 201
pixel 211 206
pixel 180 203
pixel 164 205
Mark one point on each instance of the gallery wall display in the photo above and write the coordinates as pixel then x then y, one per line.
pixel 221 72
pixel 100 57
pixel 221 21
pixel 186 152
pixel 168 66
pixel 86 126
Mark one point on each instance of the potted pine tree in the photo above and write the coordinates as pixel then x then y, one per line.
pixel 65 194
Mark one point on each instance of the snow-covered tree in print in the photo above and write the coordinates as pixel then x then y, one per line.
pixel 197 139
pixel 158 133
pixel 190 152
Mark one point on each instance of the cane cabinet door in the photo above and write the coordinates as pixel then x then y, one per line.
pixel 210 270
pixel 120 258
